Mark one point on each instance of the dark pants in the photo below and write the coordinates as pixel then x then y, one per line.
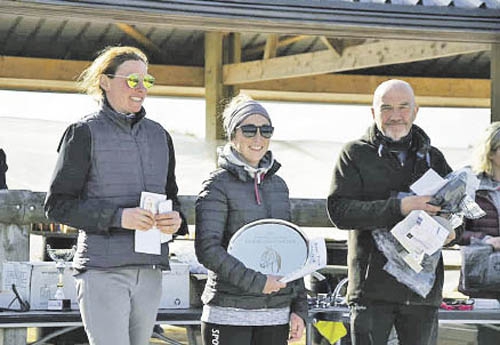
pixel 372 323
pixel 212 334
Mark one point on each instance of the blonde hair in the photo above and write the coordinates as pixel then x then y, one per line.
pixel 488 143
pixel 107 62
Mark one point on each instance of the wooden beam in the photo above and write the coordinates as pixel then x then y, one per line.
pixel 495 82
pixel 51 70
pixel 366 85
pixel 214 93
pixel 58 76
pixel 339 98
pixel 26 207
pixel 232 54
pixel 333 45
pixel 282 42
pixel 43 85
pixel 353 58
pixel 271 46
pixel 139 37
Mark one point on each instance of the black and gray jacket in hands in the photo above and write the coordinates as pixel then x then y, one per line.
pixel 363 197
pixel 105 161
pixel 227 202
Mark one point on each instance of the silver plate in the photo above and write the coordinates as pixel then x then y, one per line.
pixel 270 246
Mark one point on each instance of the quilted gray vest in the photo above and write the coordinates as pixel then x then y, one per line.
pixel 125 161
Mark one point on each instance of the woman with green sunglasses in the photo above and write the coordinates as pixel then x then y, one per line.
pixel 106 160
pixel 243 306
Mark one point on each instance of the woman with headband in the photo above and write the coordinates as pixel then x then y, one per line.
pixel 106 160
pixel 243 306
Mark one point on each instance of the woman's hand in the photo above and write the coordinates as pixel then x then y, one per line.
pixel 137 219
pixel 168 222
pixel 273 284
pixel 296 328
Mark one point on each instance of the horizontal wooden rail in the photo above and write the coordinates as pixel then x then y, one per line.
pixel 25 207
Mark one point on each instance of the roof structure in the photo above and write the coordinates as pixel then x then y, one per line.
pixel 326 50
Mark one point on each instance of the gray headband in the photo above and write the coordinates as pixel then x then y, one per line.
pixel 243 111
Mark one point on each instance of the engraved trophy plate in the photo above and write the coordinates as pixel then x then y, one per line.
pixel 270 246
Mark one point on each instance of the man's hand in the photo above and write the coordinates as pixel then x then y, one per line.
pixel 273 284
pixel 414 203
pixel 452 235
pixel 137 219
pixel 494 241
pixel 296 328
pixel 168 222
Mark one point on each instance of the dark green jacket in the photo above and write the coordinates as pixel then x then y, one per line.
pixel 226 203
pixel 363 197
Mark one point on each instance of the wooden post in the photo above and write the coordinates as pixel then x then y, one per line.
pixel 232 54
pixel 18 209
pixel 495 81
pixel 213 89
pixel 219 49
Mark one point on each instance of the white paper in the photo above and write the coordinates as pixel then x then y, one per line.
pixel 19 274
pixel 316 260
pixel 419 234
pixel 149 241
pixel 428 184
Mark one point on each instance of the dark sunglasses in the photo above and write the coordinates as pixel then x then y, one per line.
pixel 250 131
pixel 133 80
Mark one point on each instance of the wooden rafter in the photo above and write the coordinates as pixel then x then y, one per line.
pixel 332 45
pixel 281 43
pixel 271 46
pixel 354 57
pixel 138 36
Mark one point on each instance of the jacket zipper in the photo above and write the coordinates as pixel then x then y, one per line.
pixel 256 182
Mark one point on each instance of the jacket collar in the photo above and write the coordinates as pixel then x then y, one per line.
pixel 420 142
pixel 123 121
pixel 487 183
pixel 231 161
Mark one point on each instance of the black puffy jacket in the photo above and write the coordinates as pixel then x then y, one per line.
pixel 226 203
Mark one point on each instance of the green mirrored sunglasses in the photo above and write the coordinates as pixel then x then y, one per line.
pixel 133 79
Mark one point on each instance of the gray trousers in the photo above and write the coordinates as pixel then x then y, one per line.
pixel 119 306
